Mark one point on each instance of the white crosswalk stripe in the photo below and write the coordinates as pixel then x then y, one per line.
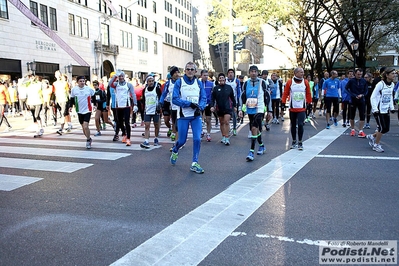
pixel 70 145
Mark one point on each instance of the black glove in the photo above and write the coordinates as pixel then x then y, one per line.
pixel 194 105
pixel 197 112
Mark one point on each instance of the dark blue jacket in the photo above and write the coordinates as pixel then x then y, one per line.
pixel 356 86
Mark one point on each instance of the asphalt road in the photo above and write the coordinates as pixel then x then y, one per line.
pixel 61 204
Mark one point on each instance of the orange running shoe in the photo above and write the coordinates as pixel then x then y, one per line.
pixel 353 133
pixel 124 138
pixel 128 142
pixel 361 135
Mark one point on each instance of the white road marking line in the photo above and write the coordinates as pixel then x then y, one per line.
pixel 356 157
pixel 43 165
pixel 191 238
pixel 11 182
pixel 85 154
pixel 287 239
pixel 117 145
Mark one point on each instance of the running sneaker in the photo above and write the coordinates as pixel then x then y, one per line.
pixel 223 140
pixel 88 144
pixel 145 145
pixel 300 146
pixel 133 125
pixel 97 134
pixel 267 126
pixel 128 143
pixel 371 140
pixel 261 150
pixel 116 138
pixel 294 145
pixel 104 126
pixel 335 122
pixel 367 125
pixel 348 124
pixel 173 137
pixel 124 138
pixel 173 157
pixel 208 137
pixel 169 133
pixel 156 142
pixel 282 118
pixel 227 141
pixel 319 112
pixel 331 119
pixel 353 133
pixel 59 131
pixel 361 134
pixel 328 126
pixel 250 156
pixel 41 131
pixel 197 168
pixel 378 148
pixel 249 134
pixel 278 122
pixel 343 124
pixel 234 132
pixel 68 129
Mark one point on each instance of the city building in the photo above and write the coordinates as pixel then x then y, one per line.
pixel 94 38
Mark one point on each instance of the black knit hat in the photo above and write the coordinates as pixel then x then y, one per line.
pixel 173 69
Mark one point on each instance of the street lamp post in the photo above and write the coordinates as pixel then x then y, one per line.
pixel 355 47
pixel 231 36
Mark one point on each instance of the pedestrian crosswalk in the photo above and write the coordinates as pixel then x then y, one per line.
pixel 66 153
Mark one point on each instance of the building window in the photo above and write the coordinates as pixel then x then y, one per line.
pixel 154 6
pixel 142 44
pixel 53 18
pixel 155 27
pixel 129 16
pixel 78 27
pixel 102 6
pixel 71 20
pixel 85 28
pixel 3 9
pixel 155 47
pixel 126 39
pixel 43 14
pixel 104 34
pixel 143 3
pixel 34 9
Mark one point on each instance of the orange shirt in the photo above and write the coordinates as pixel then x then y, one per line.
pixel 4 95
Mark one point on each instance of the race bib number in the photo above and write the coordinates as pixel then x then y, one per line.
pixel 298 96
pixel 192 99
pixel 97 97
pixel 386 98
pixel 150 100
pixel 252 102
